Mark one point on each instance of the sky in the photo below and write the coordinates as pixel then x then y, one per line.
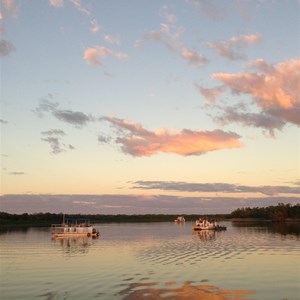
pixel 141 107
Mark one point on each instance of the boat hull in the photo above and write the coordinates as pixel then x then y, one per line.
pixel 217 228
pixel 71 235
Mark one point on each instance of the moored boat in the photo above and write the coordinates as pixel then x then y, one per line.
pixel 207 225
pixel 179 219
pixel 74 227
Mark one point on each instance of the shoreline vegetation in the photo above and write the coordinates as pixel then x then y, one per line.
pixel 279 213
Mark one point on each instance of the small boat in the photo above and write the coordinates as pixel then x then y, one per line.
pixel 207 225
pixel 179 219
pixel 74 227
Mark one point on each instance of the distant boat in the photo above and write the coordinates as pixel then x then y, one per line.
pixel 207 225
pixel 179 219
pixel 74 227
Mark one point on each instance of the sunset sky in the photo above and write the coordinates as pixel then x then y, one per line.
pixel 139 106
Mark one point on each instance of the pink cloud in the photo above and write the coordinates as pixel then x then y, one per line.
pixel 95 26
pixel 210 94
pixel 228 48
pixel 9 6
pixel 56 3
pixel 275 92
pixel 95 55
pixel 193 57
pixel 120 55
pixel 275 89
pixel 244 40
pixel 137 141
pixel 76 3
pixel 169 35
pixel 223 49
pixel 164 37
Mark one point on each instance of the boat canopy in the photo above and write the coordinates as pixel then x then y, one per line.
pixel 77 221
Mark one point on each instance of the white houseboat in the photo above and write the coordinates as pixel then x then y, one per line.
pixel 207 225
pixel 179 219
pixel 74 227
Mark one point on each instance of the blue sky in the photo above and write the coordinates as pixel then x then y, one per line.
pixel 184 106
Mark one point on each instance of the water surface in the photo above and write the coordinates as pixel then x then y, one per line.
pixel 153 261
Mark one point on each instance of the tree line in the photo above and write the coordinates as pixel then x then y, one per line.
pixel 46 219
pixel 280 212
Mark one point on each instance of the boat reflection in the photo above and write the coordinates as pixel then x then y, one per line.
pixel 206 235
pixel 188 290
pixel 75 244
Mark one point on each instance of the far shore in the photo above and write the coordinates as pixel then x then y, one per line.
pixel 46 219
pixel 261 220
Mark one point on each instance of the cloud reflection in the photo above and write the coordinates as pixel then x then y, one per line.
pixel 189 291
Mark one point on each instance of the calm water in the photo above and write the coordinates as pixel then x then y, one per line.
pixel 152 261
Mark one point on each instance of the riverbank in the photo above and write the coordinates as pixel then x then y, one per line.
pixel 287 220
pixel 46 219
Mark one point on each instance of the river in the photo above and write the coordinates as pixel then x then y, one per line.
pixel 153 261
